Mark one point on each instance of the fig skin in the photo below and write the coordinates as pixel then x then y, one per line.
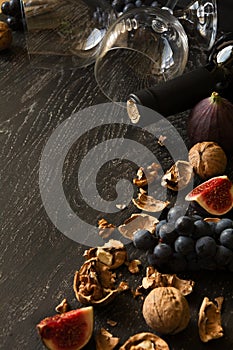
pixel 212 120
pixel 71 330
pixel 166 310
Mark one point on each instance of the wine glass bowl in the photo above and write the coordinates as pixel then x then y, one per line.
pixel 200 22
pixel 141 48
pixel 65 33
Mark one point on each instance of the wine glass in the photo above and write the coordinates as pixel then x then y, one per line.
pixel 65 33
pixel 199 19
pixel 141 48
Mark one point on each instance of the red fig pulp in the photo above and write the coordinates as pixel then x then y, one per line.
pixel 214 195
pixel 68 331
pixel 212 120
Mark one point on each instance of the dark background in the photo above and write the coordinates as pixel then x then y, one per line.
pixel 37 262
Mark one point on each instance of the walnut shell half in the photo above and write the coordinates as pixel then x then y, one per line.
pixel 94 283
pixel 145 340
pixel 209 322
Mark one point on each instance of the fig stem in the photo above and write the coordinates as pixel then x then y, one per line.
pixel 215 97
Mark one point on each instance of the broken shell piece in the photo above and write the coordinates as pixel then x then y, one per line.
pixel 62 307
pixel 212 219
pixel 112 253
pixel 133 266
pixel 209 322
pixel 178 176
pixel 155 279
pixel 94 283
pixel 149 203
pixel 146 176
pixel 138 222
pixel 105 340
pixel 145 340
pixel 105 228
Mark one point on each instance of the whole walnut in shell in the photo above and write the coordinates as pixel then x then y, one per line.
pixel 208 159
pixel 166 310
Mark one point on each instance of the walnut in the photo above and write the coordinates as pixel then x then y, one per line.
pixel 105 340
pixel 145 341
pixel 94 283
pixel 106 229
pixel 209 322
pixel 208 159
pixel 5 36
pixel 178 176
pixel 166 310
pixel 155 279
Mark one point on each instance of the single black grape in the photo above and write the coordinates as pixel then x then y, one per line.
pixel 162 251
pixel 223 256
pixel 226 238
pixel 128 7
pixel 184 225
pixel 202 228
pixel 167 233
pixel 175 212
pixel 161 222
pixel 205 247
pixel 154 4
pixel 222 225
pixel 184 245
pixel 144 240
pixel 138 3
pixel 14 7
pixel 118 5
pixel 5 7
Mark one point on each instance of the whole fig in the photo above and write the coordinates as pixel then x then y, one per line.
pixel 212 120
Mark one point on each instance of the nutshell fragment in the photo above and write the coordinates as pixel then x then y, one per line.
pixel 178 176
pixel 155 279
pixel 63 306
pixel 106 229
pixel 138 222
pixel 133 266
pixel 209 322
pixel 149 203
pixel 105 341
pixel 112 253
pixel 146 176
pixel 145 341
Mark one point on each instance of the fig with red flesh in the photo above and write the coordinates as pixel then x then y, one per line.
pixel 212 120
pixel 71 330
pixel 214 195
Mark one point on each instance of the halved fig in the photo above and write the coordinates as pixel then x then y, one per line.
pixel 145 340
pixel 214 195
pixel 71 330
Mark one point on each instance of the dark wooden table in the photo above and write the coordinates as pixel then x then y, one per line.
pixel 37 262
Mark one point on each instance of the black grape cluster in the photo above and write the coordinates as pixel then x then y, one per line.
pixel 188 243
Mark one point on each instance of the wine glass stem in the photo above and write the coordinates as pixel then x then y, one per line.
pixel 171 4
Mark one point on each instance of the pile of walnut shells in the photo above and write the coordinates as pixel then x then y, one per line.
pixel 165 307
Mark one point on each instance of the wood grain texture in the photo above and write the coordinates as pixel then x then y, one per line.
pixel 37 262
